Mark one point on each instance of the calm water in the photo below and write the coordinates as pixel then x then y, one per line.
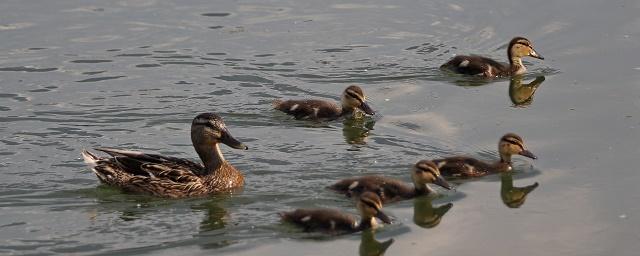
pixel 81 74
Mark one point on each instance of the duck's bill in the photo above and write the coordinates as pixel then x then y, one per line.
pixel 230 141
pixel 365 108
pixel 528 154
pixel 383 217
pixel 535 55
pixel 440 181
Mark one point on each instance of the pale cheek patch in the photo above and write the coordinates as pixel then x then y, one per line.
pixel 353 185
pixel 306 218
pixel 464 64
pixel 294 107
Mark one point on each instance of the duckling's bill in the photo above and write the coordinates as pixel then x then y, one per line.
pixel 440 181
pixel 528 154
pixel 383 217
pixel 535 54
pixel 366 108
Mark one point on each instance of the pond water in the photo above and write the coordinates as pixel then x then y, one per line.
pixel 132 74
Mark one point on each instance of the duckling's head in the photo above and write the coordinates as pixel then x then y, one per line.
pixel 353 97
pixel 520 47
pixel 511 144
pixel 369 205
pixel 425 171
pixel 208 129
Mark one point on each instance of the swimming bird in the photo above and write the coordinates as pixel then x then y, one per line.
pixel 482 66
pixel 392 190
pixel 352 99
pixel 173 177
pixel 333 221
pixel 463 166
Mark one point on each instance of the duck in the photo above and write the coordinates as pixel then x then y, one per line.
pixel 352 99
pixel 393 190
pixel 172 177
pixel 333 221
pixel 482 66
pixel 463 166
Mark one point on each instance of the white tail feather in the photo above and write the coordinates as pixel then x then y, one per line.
pixel 90 159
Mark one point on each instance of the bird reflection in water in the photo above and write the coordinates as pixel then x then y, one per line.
pixel 356 130
pixel 215 215
pixel 425 214
pixel 369 246
pixel 514 197
pixel 522 94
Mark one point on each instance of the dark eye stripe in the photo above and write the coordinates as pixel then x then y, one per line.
pixel 353 95
pixel 369 203
pixel 524 43
pixel 515 143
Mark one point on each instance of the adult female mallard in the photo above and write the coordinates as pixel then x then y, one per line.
pixel 482 66
pixel 173 177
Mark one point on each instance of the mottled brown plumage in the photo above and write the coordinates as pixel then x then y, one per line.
pixel 352 98
pixel 173 177
pixel 334 221
pixel 463 166
pixel 392 190
pixel 482 66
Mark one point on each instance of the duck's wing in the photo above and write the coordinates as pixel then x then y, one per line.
pixel 474 65
pixel 133 161
pixel 307 109
pixel 461 166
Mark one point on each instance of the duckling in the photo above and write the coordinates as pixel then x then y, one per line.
pixel 352 98
pixel 173 177
pixel 336 222
pixel 481 66
pixel 392 190
pixel 462 166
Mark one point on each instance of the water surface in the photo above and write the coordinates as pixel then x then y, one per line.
pixel 132 74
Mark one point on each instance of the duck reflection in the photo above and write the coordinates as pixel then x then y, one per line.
pixel 514 197
pixel 427 216
pixel 214 215
pixel 132 207
pixel 356 130
pixel 369 246
pixel 522 94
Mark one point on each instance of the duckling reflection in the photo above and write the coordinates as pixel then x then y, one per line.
pixel 369 246
pixel 427 216
pixel 356 130
pixel 514 197
pixel 522 94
